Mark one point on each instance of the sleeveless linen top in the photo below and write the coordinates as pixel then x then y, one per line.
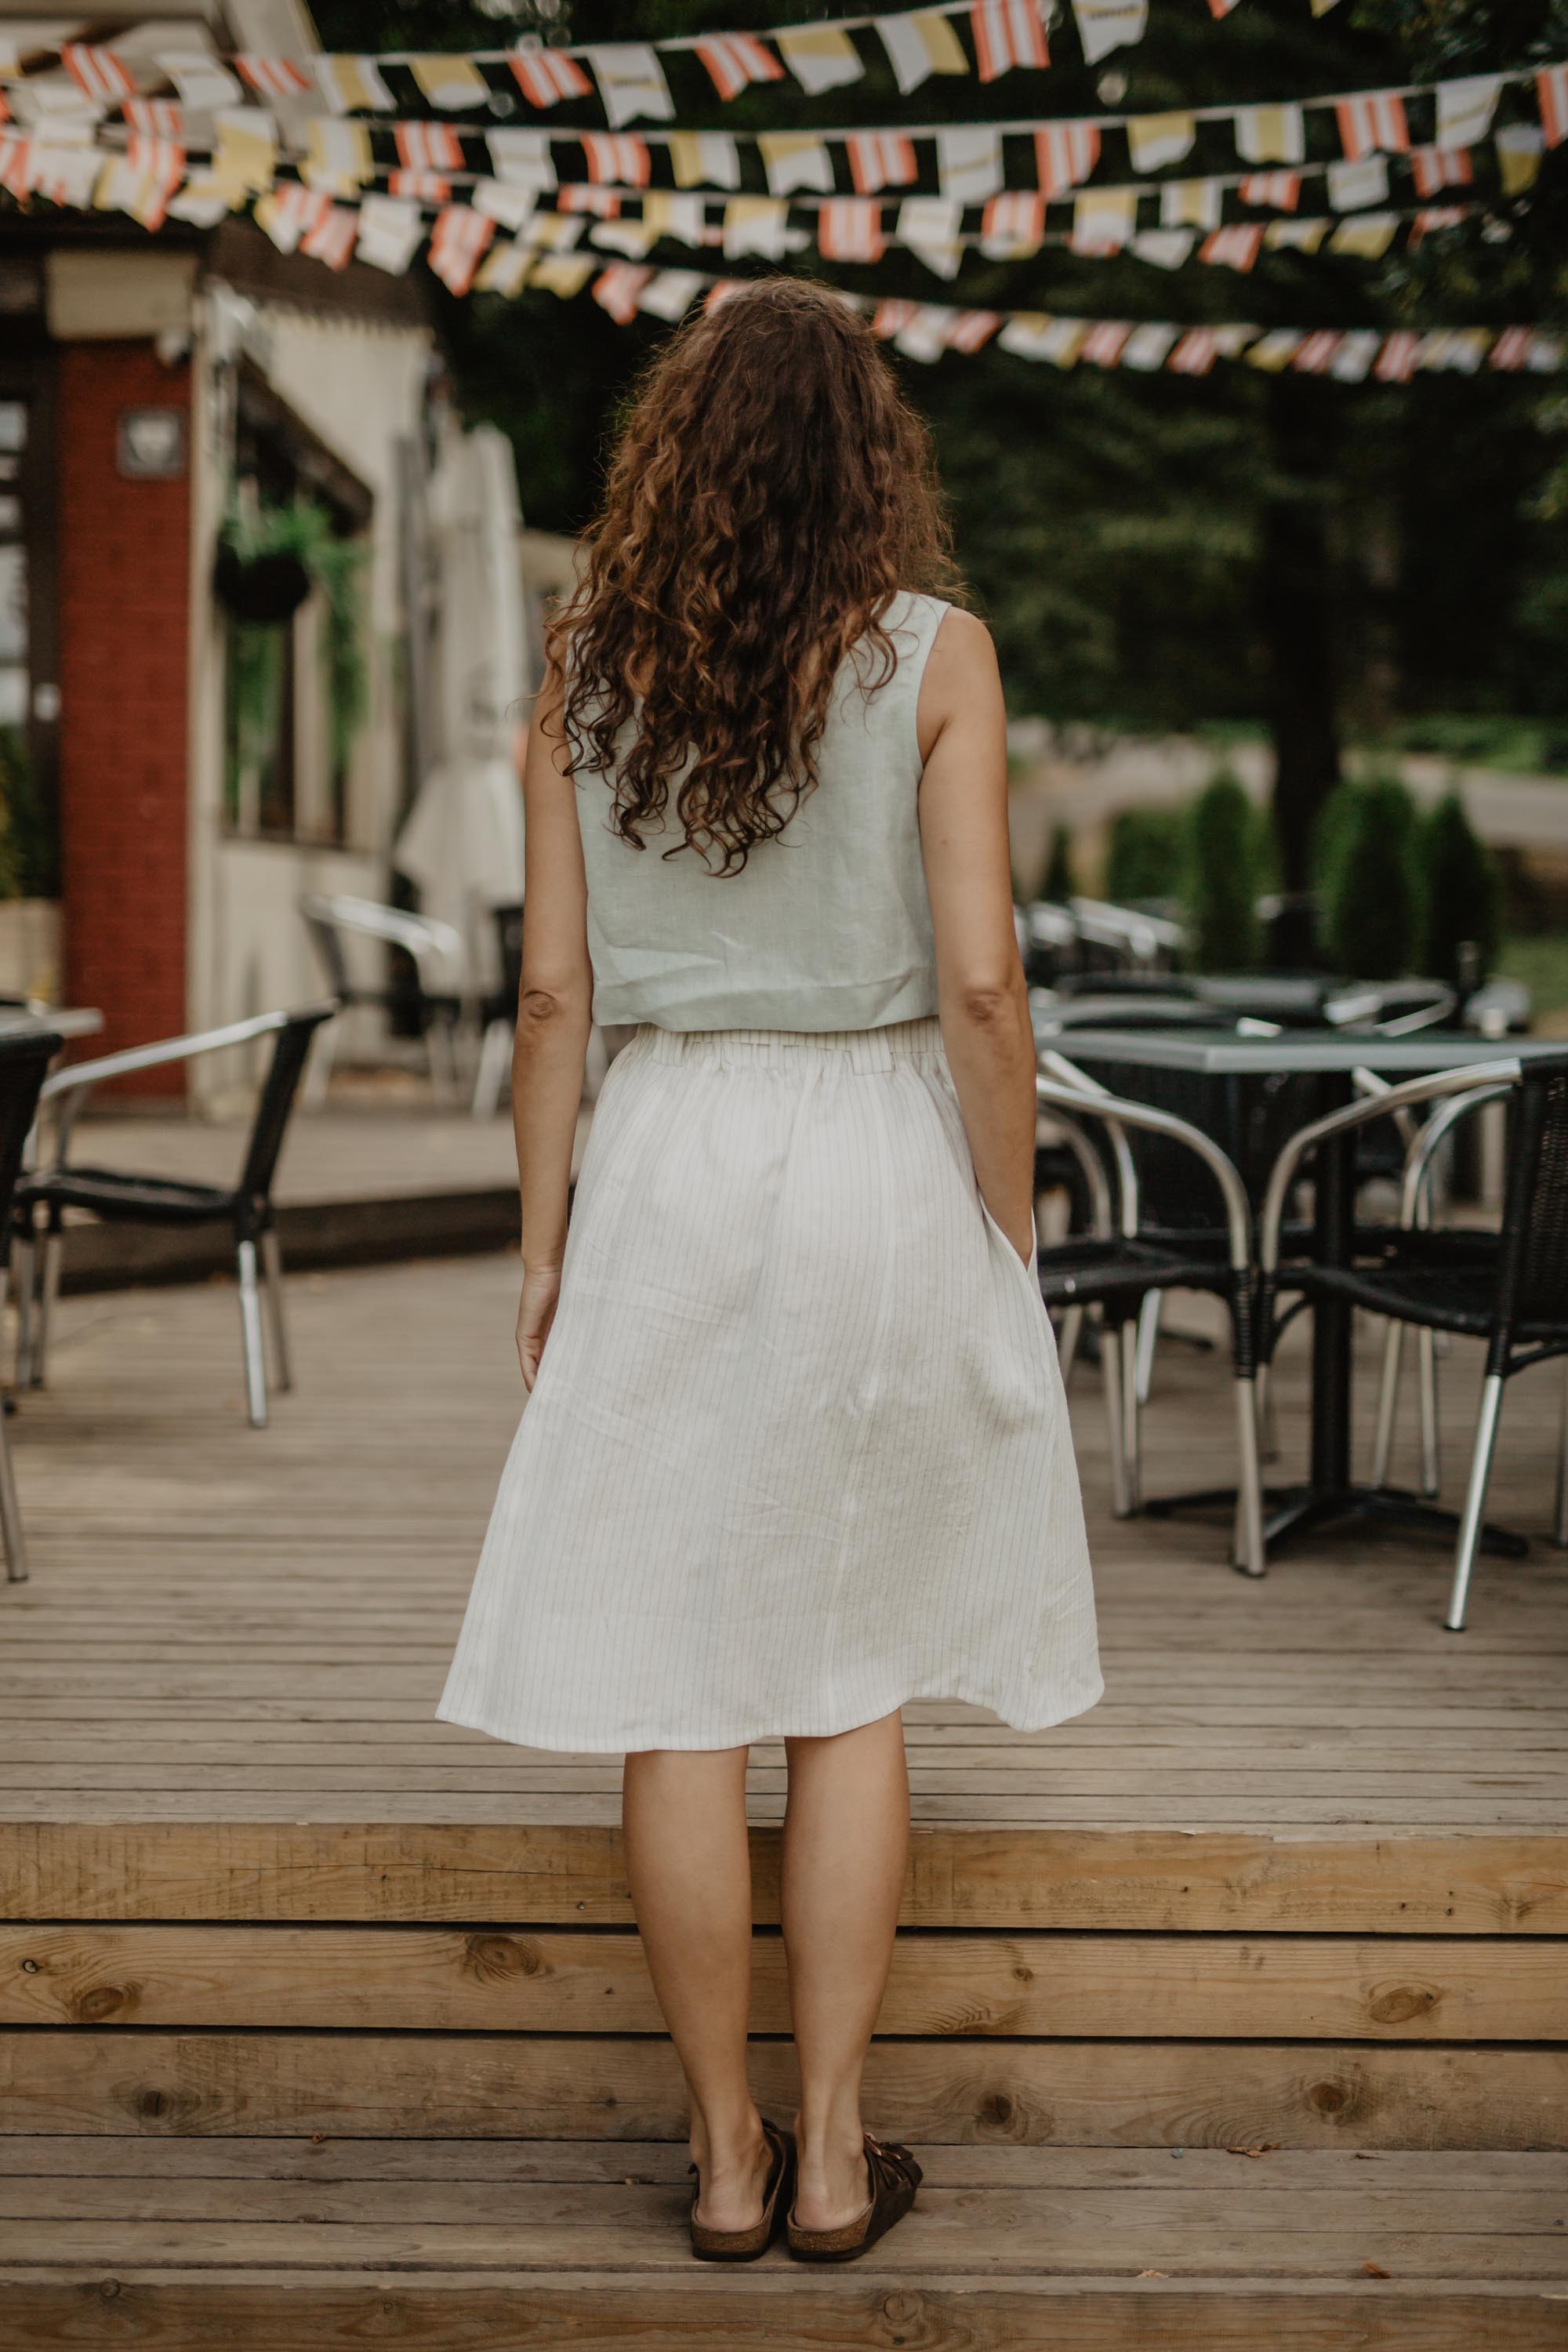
pixel 826 928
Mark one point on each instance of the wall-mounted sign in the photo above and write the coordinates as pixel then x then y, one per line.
pixel 151 445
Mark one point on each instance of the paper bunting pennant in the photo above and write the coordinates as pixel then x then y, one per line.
pixel 1270 134
pixel 673 215
pixel 1397 360
pixel 1103 219
pixel 429 146
pixel 453 83
pixel 631 82
pixel 200 81
pixel 352 85
pixel 969 163
pixel 459 243
pixel 521 158
pixel 878 159
pixel 618 159
pixel 1372 124
pixel 290 211
pixel 1518 148
pixel 603 202
pixel 1281 190
pixel 1368 236
pixel 201 202
pixel 512 208
pixel 1275 350
pixel 545 77
pixel 273 77
pixel 1351 186
pixel 244 160
pixel 390 234
pixel 1315 352
pixel 141 185
pixel 616 290
pixel 736 59
pixel 757 224
pixel 1014 226
pixel 1155 139
pixel 1235 248
pixel 506 268
pixel 794 160
pixel 564 273
pixel 671 293
pixel 1103 344
pixel 1148 347
pixel 891 316
pixel 102 76
pixel 930 226
pixel 1466 107
pixel 1552 89
pixel 155 118
pixel 1007 33
pixel 338 158
pixel 556 231
pixel 1191 203
pixel 1064 155
pixel 1296 236
pixel 704 159
pixel 66 176
pixel 1435 168
pixel 633 239
pixel 820 56
pixel 849 228
pixel 919 44
pixel 1164 248
pixel 332 238
pixel 1107 25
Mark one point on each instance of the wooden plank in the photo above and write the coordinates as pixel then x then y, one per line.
pixel 471 1873
pixel 768 2309
pixel 1082 2094
pixel 1457 1989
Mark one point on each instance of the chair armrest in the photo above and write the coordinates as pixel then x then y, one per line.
pixel 1340 1122
pixel 71 1087
pixel 1093 1168
pixel 1424 1145
pixel 1116 1112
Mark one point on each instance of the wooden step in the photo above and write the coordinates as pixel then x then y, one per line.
pixel 1143 2093
pixel 471 1873
pixel 555 1980
pixel 345 2241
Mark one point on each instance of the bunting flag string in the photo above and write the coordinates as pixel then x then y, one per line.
pixel 1004 36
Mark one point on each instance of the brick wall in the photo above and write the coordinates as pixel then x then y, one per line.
pixel 124 593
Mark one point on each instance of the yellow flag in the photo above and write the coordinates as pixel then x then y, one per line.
pixel 337 157
pixel 450 81
pixel 244 160
pixel 794 159
pixel 564 273
pixel 1368 236
pixel 820 56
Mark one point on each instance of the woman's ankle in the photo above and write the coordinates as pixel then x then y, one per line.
pixel 725 2140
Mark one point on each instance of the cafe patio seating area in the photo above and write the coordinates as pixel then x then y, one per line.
pixel 1234 2009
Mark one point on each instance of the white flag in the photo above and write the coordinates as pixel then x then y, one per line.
pixel 820 56
pixel 1353 185
pixel 1166 249
pixel 500 199
pixel 1148 347
pixel 1465 108
pixel 631 82
pixel 929 225
pixel 794 159
pixel 1270 134
pixel 756 225
pixel 521 158
pixel 199 79
pixel 1191 203
pixel 969 163
pixel 672 293
pixel 1107 25
pixel 704 159
pixel 1103 219
pixel 390 231
pixel 1156 140
pixel 919 43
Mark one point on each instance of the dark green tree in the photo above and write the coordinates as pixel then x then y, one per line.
pixel 1460 932
pixel 1222 871
pixel 1372 880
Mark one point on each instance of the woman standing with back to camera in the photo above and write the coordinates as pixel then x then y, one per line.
pixel 794 1448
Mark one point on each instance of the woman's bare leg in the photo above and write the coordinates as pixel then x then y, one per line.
pixel 684 1820
pixel 846 1843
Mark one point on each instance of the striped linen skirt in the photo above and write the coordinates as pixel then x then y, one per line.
pixel 798 1449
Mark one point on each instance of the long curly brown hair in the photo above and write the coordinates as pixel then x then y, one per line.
pixel 770 490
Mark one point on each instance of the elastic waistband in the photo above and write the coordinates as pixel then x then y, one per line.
pixel 861 1049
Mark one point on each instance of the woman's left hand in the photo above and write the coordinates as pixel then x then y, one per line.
pixel 541 1289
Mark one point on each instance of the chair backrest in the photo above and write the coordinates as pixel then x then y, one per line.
pixel 1251 1122
pixel 1533 1274
pixel 24 1059
pixel 436 947
pixel 275 1103
pixel 327 940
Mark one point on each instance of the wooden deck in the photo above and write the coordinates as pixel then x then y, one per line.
pixel 324 2022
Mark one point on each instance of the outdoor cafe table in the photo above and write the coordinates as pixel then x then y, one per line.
pixel 1237 1070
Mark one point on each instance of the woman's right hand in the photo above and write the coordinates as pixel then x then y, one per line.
pixel 541 1289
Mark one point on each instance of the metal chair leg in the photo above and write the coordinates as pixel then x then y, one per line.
pixel 1474 1500
pixel 49 1279
pixel 1131 1419
pixel 1111 1380
pixel 318 1069
pixel 1250 1556
pixel 1427 1394
pixel 1559 1516
pixel 250 1337
pixel 23 1276
pixel 1148 1340
pixel 1268 1430
pixel 495 1053
pixel 11 1516
pixel 272 1282
pixel 1387 1400
pixel 1068 1344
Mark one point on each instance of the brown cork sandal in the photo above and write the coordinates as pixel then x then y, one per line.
pixel 895 2176
pixel 746 2245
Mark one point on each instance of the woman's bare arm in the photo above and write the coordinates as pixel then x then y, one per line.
pixel 980 994
pixel 553 1016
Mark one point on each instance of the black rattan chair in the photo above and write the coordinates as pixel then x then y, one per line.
pixel 1509 1289
pixel 24 1059
pixel 1118 1270
pixel 119 1197
pixel 438 1000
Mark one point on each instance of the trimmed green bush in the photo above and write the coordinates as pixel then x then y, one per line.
pixel 1059 885
pixel 1223 865
pixel 1370 879
pixel 1147 855
pixel 1462 897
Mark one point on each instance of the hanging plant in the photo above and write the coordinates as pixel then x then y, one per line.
pixel 268 561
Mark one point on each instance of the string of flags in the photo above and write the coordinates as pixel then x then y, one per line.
pixel 628 77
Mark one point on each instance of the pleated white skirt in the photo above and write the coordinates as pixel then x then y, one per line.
pixel 798 1450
